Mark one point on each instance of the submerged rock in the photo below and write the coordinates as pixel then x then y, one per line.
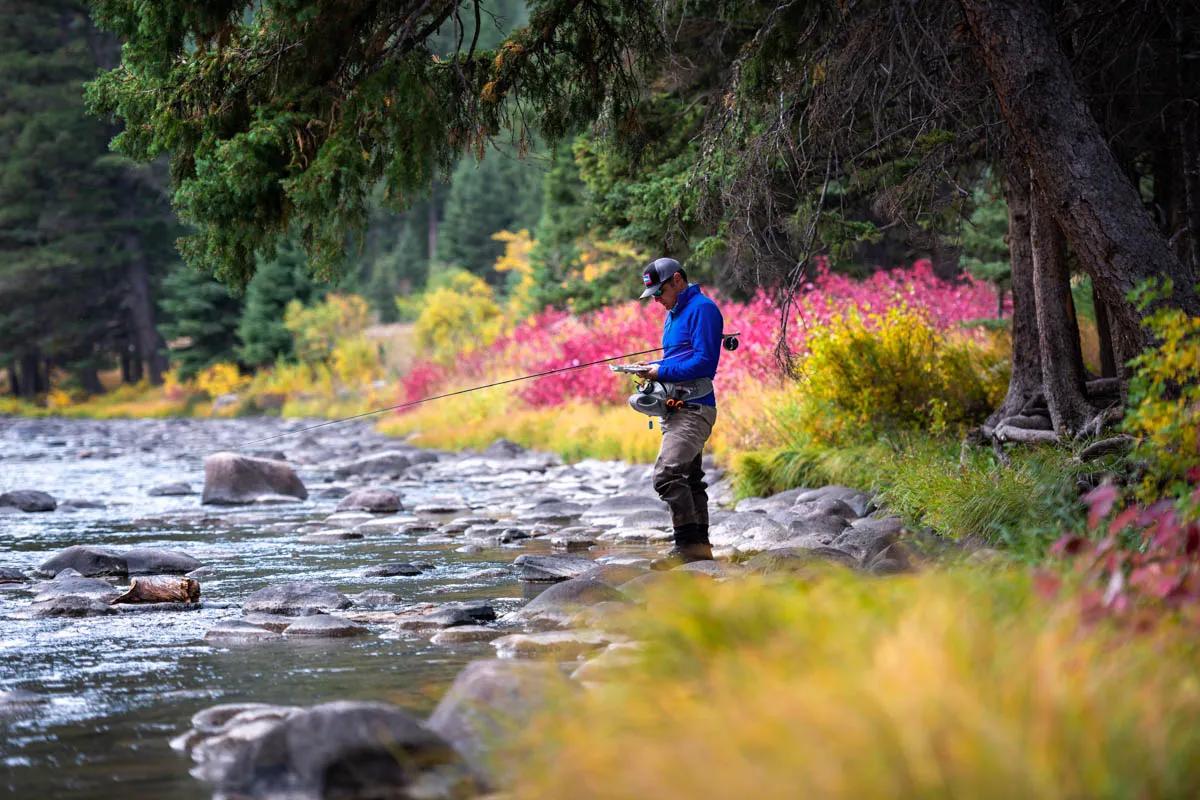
pixel 466 634
pixel 88 561
pixel 158 561
pixel 232 479
pixel 296 599
pixel 564 645
pixel 562 601
pixel 239 631
pixel 324 626
pixel 374 500
pixel 72 584
pixel 28 500
pixel 538 569
pixel 392 569
pixel 70 606
pixel 171 490
pixel 10 575
pixel 390 463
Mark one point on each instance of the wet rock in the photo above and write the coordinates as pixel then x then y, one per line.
pixel 487 701
pixel 28 500
pixel 623 534
pixel 239 631
pixel 564 645
pixel 70 606
pixel 66 585
pixel 88 561
pixel 324 626
pixel 622 505
pixel 374 500
pixel 272 622
pixel 452 615
pixel 19 701
pixel 603 667
pixel 343 750
pixel 749 528
pixel 827 507
pixel 503 448
pixel 171 490
pixel 390 463
pixel 713 569
pixel 798 559
pixel 859 502
pixel 219 719
pixel 296 599
pixel 652 581
pixel 231 479
pixel 817 523
pixel 442 505
pixel 559 603
pixel 392 569
pixel 157 561
pixel 466 634
pixel 374 599
pixel 538 569
pixel 867 537
pixel 776 502
pixel 10 575
pixel 161 589
pixel 572 541
pixel 325 537
pixel 720 493
pixel 554 512
pixel 349 519
pixel 332 493
pixel 615 574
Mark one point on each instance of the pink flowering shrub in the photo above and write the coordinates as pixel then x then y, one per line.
pixel 555 339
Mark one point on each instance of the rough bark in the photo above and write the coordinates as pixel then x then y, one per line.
pixel 1095 204
pixel 13 383
pixel 89 379
pixel 140 302
pixel 1063 376
pixel 1108 363
pixel 1026 379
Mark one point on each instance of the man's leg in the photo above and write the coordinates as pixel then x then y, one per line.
pixel 697 486
pixel 684 434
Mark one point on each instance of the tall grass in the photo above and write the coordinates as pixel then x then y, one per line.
pixel 956 685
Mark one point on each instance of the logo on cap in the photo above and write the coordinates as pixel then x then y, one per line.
pixel 648 278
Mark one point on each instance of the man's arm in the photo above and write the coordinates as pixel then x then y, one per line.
pixel 701 362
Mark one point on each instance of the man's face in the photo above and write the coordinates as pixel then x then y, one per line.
pixel 670 292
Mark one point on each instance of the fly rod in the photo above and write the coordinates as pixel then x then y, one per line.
pixel 728 341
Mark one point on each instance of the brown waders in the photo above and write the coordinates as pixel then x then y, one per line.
pixel 679 481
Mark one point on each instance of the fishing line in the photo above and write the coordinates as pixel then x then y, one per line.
pixel 728 341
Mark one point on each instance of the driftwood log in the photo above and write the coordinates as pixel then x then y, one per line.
pixel 161 589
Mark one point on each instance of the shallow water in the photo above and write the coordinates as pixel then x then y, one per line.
pixel 119 688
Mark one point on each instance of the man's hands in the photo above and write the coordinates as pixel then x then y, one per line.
pixel 647 370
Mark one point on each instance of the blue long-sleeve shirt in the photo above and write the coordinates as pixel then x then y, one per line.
pixel 692 341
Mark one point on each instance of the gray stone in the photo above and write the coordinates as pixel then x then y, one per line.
pixel 28 500
pixel 89 561
pixel 653 581
pixel 622 505
pixel 826 506
pixel 537 569
pixel 346 750
pixel 374 599
pixel 157 561
pixel 374 500
pixel 390 463
pixel 452 615
pixel 10 575
pixel 171 490
pixel 325 537
pixel 296 599
pixel 230 479
pixel 798 559
pixel 392 569
pixel 487 701
pixel 70 606
pixel 868 536
pixel 466 634
pixel 572 541
pixel 562 645
pixel 559 603
pixel 859 502
pixel 67 585
pixel 324 626
pixel 614 574
pixel 239 631
pixel 503 449
pixel 817 523
pixel 272 622
pixel 556 512
pixel 776 502
pixel 219 719
pixel 20 701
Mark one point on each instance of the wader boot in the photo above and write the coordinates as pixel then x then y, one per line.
pixel 691 544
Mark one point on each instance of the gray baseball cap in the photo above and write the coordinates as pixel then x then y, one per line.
pixel 658 272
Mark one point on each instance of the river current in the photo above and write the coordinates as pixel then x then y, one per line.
pixel 114 690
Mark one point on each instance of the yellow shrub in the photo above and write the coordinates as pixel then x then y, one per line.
pixel 1164 401
pixel 895 370
pixel 317 330
pixel 458 319
pixel 58 399
pixel 356 361
pixel 517 248
pixel 931 686
pixel 219 379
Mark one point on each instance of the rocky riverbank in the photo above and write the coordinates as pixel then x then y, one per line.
pixel 577 537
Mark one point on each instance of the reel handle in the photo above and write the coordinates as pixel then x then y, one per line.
pixel 730 340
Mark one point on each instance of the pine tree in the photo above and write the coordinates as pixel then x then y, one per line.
pixel 261 332
pixel 202 318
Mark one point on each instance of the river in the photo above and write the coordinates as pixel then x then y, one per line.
pixel 115 690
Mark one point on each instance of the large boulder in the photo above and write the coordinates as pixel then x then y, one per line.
pixel 158 561
pixel 74 585
pixel 859 502
pixel 86 560
pixel 390 463
pixel 538 569
pixel 869 536
pixel 28 500
pixel 558 604
pixel 488 700
pixel 340 750
pixel 374 500
pixel 70 606
pixel 232 479
pixel 296 599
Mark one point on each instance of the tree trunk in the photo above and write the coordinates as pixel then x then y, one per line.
pixel 29 369
pixel 140 302
pixel 1026 379
pixel 1108 364
pixel 89 379
pixel 126 363
pixel 1058 332
pixel 14 385
pixel 1096 206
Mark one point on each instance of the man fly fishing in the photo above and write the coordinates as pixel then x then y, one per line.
pixel 691 339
